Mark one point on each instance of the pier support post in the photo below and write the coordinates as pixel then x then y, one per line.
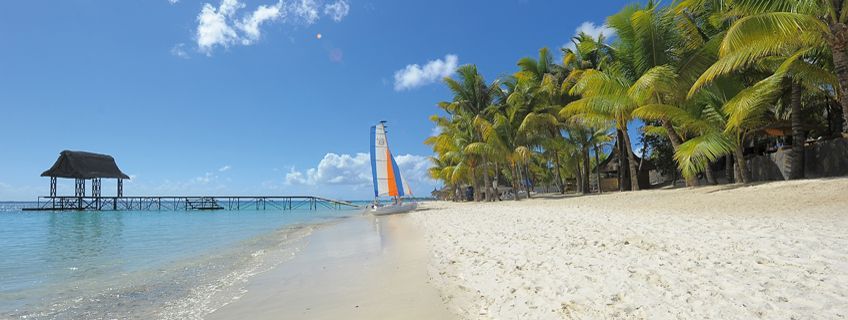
pixel 79 190
pixel 120 188
pixel 95 192
pixel 52 186
pixel 95 187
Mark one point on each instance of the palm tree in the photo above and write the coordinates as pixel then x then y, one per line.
pixel 584 136
pixel 605 96
pixel 706 74
pixel 540 96
pixel 647 69
pixel 803 71
pixel 769 27
pixel 453 165
pixel 472 95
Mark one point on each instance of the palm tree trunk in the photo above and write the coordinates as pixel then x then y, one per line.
pixel 634 175
pixel 578 177
pixel 839 51
pixel 728 168
pixel 474 183
pixel 708 171
pixel 799 138
pixel 621 153
pixel 559 179
pixel 586 170
pixel 676 141
pixel 527 179
pixel 598 167
pixel 487 183
pixel 741 168
pixel 515 180
pixel 520 182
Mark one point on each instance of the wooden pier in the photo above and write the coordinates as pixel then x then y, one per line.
pixel 187 203
pixel 86 166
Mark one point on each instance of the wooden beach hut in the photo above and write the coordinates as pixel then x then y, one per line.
pixel 610 171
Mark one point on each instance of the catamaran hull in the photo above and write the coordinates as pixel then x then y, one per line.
pixel 393 209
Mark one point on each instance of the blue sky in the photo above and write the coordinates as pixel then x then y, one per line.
pixel 244 97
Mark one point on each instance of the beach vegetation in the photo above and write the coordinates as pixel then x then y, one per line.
pixel 705 84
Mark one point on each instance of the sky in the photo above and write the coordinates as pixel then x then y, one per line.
pixel 248 97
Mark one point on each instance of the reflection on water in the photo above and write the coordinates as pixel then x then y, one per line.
pixel 70 265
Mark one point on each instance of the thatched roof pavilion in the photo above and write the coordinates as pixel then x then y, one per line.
pixel 84 165
pixel 81 166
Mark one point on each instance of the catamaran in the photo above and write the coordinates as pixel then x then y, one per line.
pixel 388 180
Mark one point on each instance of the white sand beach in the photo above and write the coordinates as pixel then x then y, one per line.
pixel 768 251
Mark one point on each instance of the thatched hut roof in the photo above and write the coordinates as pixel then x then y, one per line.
pixel 84 165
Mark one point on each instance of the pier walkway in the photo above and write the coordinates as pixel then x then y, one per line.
pixel 185 203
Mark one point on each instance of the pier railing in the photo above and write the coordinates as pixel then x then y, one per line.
pixel 183 203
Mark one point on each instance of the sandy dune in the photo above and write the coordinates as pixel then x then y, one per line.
pixel 770 251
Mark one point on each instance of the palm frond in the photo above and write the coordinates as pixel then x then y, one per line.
pixel 695 154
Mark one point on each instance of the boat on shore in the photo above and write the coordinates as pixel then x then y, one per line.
pixel 387 178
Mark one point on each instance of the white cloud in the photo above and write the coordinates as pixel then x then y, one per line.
pixel 223 26
pixel 250 24
pixel 335 169
pixel 414 168
pixel 179 51
pixel 173 1
pixel 337 10
pixel 413 75
pixel 593 30
pixel 355 171
pixel 213 28
pixel 225 168
pixel 229 7
pixel 305 10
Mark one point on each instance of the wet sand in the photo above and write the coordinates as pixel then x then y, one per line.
pixel 361 268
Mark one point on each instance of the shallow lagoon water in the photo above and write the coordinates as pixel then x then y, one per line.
pixel 140 264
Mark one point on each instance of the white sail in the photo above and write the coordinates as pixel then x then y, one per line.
pixel 388 181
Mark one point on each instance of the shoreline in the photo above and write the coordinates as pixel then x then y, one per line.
pixel 186 287
pixel 773 250
pixel 360 268
pixel 760 251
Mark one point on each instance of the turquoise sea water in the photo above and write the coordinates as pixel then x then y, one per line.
pixel 139 264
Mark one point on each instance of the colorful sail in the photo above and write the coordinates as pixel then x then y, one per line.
pixel 388 181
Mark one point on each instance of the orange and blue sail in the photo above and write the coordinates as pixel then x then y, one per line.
pixel 388 181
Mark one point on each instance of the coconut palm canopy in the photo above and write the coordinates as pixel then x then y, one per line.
pixel 706 77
